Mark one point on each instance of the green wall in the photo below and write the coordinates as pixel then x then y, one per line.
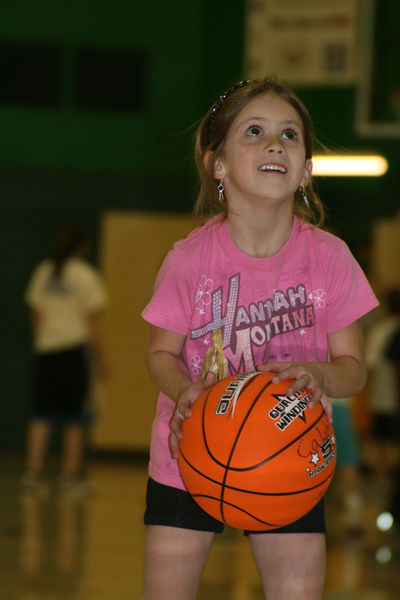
pixel 62 164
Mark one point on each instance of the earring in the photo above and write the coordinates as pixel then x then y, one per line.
pixel 304 196
pixel 221 190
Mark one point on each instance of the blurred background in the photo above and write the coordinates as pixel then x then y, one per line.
pixel 99 103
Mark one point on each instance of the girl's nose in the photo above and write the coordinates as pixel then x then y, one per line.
pixel 273 144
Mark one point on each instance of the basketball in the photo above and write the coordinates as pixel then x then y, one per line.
pixel 252 456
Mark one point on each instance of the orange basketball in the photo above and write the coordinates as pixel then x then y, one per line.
pixel 253 457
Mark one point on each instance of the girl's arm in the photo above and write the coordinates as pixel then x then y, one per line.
pixel 343 376
pixel 34 320
pixel 94 325
pixel 169 373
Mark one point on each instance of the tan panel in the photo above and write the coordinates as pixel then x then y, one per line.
pixel 133 246
pixel 386 254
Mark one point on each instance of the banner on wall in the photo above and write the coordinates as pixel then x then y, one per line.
pixel 377 111
pixel 303 42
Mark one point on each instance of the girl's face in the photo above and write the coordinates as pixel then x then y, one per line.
pixel 264 153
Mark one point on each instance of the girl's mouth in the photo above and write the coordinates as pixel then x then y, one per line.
pixel 272 167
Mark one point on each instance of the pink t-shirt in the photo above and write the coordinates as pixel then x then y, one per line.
pixel 268 309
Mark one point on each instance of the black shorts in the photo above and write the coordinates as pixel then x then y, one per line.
pixel 176 508
pixel 61 385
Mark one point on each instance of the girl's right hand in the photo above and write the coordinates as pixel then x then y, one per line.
pixel 183 410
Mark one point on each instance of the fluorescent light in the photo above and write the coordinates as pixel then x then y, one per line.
pixel 383 555
pixel 349 165
pixel 384 521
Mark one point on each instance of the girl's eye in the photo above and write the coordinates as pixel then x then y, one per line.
pixel 289 134
pixel 254 130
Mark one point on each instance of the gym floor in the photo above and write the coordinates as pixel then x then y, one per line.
pixel 59 548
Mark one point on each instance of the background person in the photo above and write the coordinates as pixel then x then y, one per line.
pixel 66 297
pixel 383 397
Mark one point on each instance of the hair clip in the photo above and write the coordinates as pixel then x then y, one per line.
pixel 218 103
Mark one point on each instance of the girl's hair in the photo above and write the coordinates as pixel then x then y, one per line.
pixel 212 134
pixel 69 242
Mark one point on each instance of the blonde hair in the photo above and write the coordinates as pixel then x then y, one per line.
pixel 212 133
pixel 214 360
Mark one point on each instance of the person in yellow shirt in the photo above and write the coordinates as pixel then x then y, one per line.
pixel 66 297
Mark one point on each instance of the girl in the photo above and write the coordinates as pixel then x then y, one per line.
pixel 269 278
pixel 66 297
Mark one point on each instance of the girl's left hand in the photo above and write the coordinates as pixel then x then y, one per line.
pixel 304 375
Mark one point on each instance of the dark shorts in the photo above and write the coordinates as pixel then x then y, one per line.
pixel 176 508
pixel 61 385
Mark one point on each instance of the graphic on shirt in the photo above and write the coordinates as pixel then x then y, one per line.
pixel 319 297
pixel 195 364
pixel 215 361
pixel 57 286
pixel 203 295
pixel 245 329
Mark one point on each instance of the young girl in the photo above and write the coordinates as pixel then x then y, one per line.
pixel 276 286
pixel 66 297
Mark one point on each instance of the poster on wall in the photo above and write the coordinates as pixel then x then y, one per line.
pixel 377 111
pixel 303 42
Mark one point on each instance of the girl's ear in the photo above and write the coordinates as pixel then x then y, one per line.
pixel 307 172
pixel 216 164
pixel 219 169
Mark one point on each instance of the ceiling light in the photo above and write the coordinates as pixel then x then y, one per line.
pixel 349 165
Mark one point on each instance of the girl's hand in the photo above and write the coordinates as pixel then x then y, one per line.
pixel 183 410
pixel 304 374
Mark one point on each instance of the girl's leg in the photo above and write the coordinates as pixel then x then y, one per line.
pixel 173 562
pixel 291 565
pixel 37 442
pixel 73 447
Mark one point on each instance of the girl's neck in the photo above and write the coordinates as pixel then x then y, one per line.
pixel 261 235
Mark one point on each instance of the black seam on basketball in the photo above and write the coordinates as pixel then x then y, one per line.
pixel 256 492
pixel 219 463
pixel 248 383
pixel 237 508
pixel 240 469
pixel 223 483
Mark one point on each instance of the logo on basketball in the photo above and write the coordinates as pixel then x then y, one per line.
pixel 231 393
pixel 289 408
pixel 325 452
